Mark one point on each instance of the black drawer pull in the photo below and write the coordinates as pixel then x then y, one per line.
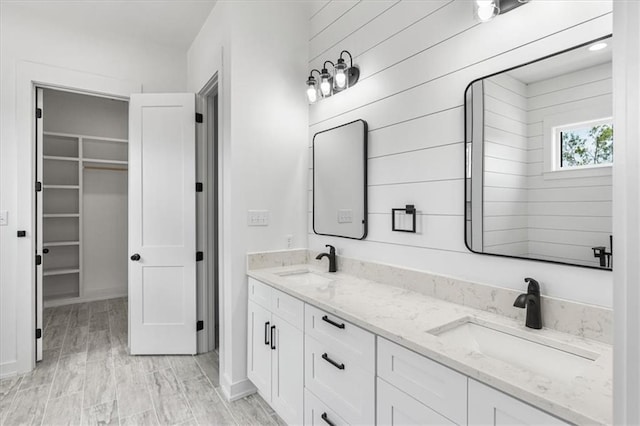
pixel 326 419
pixel 332 362
pixel 273 339
pixel 266 333
pixel 333 323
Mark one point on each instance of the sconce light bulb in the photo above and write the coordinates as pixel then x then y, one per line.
pixel 325 87
pixel 341 79
pixel 312 94
pixel 486 11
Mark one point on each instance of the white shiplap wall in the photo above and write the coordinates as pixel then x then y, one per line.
pixel 505 228
pixel 573 214
pixel 416 58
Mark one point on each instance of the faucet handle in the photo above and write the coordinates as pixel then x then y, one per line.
pixel 533 285
pixel 332 249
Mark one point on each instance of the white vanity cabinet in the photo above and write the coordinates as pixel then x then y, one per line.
pixel 488 406
pixel 275 349
pixel 339 369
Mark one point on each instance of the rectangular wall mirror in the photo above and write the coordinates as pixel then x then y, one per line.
pixel 539 156
pixel 340 181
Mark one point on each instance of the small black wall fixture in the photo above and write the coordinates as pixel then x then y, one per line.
pixel 486 10
pixel 409 209
pixel 329 83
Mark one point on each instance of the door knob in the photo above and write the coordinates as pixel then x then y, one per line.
pixel 45 251
pixel 135 257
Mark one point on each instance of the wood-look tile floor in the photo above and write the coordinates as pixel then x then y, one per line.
pixel 86 377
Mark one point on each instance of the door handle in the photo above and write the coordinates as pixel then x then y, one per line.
pixel 332 362
pixel 326 419
pixel 135 257
pixel 266 333
pixel 273 340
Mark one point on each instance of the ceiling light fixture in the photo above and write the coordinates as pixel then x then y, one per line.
pixel 597 46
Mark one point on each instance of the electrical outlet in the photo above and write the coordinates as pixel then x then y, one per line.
pixel 4 217
pixel 258 218
pixel 289 238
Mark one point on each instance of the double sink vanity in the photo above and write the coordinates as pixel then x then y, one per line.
pixel 343 348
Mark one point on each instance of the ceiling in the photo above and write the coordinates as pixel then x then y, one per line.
pixel 170 22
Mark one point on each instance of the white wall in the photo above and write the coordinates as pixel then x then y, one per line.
pixel 505 167
pixel 567 215
pixel 24 39
pixel 416 58
pixel 258 50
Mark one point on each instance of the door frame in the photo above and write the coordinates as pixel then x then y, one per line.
pixel 208 171
pixel 29 76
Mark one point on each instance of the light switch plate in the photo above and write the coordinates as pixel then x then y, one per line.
pixel 258 218
pixel 4 218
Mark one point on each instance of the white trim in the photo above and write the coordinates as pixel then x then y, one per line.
pixel 28 76
pixel 8 369
pixel 234 391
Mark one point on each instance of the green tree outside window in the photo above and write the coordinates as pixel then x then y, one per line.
pixel 587 146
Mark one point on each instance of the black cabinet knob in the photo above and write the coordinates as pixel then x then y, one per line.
pixel 135 257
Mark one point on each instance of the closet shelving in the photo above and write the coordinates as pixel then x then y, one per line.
pixel 65 158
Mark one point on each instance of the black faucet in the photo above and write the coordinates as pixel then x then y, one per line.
pixel 531 301
pixel 332 257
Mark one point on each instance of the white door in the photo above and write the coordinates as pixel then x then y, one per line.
pixel 40 230
pixel 259 348
pixel 162 224
pixel 288 372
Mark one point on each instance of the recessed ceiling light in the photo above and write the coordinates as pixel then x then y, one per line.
pixel 597 46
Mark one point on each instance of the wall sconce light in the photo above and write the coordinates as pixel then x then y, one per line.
pixel 342 78
pixel 486 10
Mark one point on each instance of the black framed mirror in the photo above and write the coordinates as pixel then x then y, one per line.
pixel 539 157
pixel 340 181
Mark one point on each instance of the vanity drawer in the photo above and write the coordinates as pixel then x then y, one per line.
pixel 342 385
pixel 317 413
pixel 432 384
pixel 260 293
pixel 288 308
pixel 347 341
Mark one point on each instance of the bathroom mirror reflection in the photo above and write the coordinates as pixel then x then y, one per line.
pixel 340 181
pixel 539 155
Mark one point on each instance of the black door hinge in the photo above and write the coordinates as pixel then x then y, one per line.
pixel 199 256
pixel 199 187
pixel 38 333
pixel 38 260
pixel 200 325
pixel 38 112
pixel 22 234
pixel 199 118
pixel 38 186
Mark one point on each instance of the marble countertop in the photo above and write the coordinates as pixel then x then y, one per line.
pixel 406 317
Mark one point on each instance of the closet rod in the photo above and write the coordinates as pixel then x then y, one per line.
pixel 115 169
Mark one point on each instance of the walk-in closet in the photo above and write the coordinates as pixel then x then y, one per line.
pixel 82 204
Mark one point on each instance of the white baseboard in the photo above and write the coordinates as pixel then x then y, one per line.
pixel 235 391
pixel 8 369
pixel 83 299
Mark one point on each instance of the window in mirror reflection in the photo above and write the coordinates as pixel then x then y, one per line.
pixel 585 144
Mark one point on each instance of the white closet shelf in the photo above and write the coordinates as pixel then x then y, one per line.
pixel 53 215
pixel 62 271
pixel 56 158
pixel 61 186
pixel 75 136
pixel 61 296
pixel 96 160
pixel 61 243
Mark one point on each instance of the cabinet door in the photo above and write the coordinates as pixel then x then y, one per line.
pixel 287 372
pixel 395 407
pixel 488 406
pixel 259 349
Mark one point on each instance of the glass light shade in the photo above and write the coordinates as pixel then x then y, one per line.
pixel 312 93
pixel 340 76
pixel 486 10
pixel 325 83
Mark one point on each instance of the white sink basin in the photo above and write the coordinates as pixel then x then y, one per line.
pixel 538 354
pixel 305 277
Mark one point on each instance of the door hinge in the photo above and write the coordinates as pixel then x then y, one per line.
pixel 200 325
pixel 199 256
pixel 38 186
pixel 199 187
pixel 22 234
pixel 38 333
pixel 199 118
pixel 38 260
pixel 38 112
